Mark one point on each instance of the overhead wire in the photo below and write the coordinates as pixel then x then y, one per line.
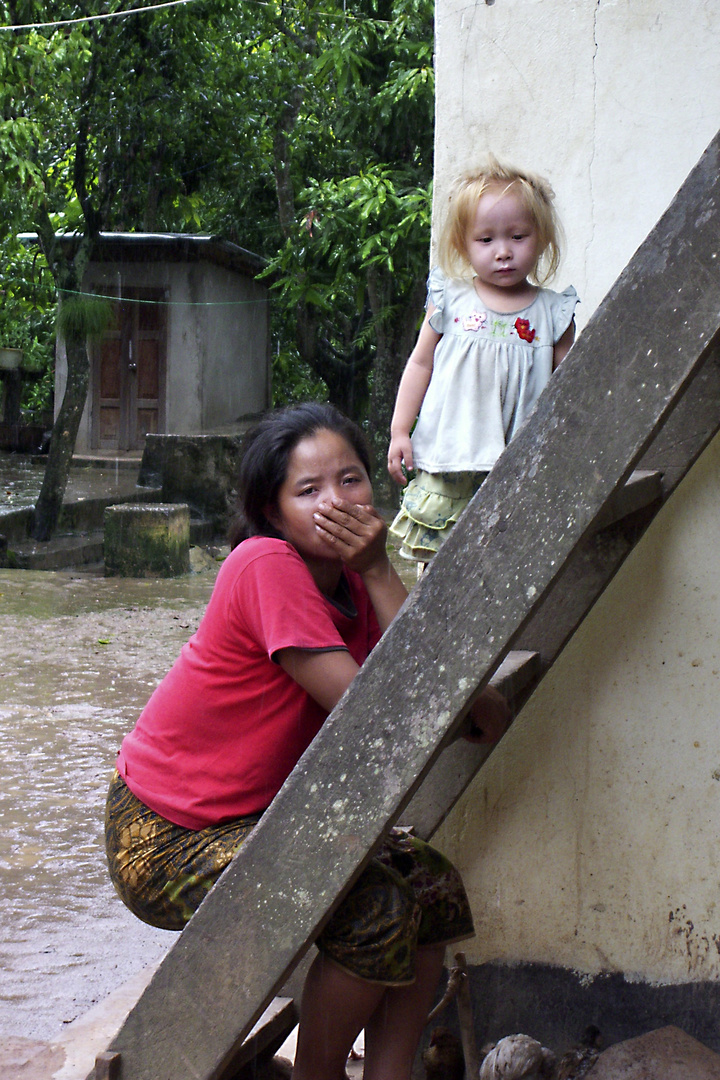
pixel 157 7
pixel 94 18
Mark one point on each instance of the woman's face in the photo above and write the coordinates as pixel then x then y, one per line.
pixel 322 467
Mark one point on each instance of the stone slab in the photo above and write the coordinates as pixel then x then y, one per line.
pixel 59 553
pixel 200 470
pixel 665 1054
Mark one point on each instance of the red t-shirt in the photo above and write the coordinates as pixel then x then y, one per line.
pixel 227 725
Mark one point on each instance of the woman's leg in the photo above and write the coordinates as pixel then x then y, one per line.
pixel 392 1033
pixel 335 1008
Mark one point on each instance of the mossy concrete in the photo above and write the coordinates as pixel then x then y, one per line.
pixel 143 541
pixel 200 470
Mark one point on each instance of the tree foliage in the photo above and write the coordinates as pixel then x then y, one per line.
pixel 303 133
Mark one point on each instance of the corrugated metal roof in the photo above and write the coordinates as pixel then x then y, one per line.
pixel 113 246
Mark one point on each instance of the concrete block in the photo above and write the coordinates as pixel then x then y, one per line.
pixel 198 469
pixel 147 540
pixel 665 1054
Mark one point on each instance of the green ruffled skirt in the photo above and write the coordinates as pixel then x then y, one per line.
pixel 432 503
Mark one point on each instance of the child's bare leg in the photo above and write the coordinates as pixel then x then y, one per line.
pixel 393 1031
pixel 335 1008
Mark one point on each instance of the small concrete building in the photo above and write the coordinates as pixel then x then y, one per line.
pixel 188 350
pixel 589 841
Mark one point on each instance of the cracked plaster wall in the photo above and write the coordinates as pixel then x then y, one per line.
pixel 613 100
pixel 590 839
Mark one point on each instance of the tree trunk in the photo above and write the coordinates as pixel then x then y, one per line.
pixel 346 377
pixel 62 443
pixel 395 337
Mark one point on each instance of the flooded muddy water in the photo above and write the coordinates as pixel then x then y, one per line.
pixel 79 656
pixel 21 478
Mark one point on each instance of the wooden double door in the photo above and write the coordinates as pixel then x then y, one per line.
pixel 129 373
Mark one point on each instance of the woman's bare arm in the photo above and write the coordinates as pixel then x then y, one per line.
pixel 324 675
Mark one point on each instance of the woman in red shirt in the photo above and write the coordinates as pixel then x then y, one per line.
pixel 296 609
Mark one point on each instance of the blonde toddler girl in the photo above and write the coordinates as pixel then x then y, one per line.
pixel 491 338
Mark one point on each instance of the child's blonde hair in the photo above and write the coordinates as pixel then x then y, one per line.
pixel 537 197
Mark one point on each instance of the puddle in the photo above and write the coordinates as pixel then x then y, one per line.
pixel 79 656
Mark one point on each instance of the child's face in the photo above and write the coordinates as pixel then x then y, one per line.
pixel 322 467
pixel 502 241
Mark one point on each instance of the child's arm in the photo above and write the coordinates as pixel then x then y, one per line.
pixel 562 347
pixel 412 390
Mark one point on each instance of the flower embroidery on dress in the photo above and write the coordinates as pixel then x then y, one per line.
pixel 523 329
pixel 475 320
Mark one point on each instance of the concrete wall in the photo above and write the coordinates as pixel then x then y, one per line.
pixel 236 379
pixel 217 359
pixel 589 843
pixel 590 838
pixel 218 339
pixel 613 101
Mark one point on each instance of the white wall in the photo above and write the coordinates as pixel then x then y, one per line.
pixel 590 838
pixel 236 362
pixel 613 100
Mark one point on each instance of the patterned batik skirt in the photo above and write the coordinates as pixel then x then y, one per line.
pixel 409 895
pixel 432 503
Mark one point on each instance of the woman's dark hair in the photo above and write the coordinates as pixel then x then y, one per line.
pixel 266 452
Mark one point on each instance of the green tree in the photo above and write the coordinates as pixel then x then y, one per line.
pixel 345 132
pixel 304 133
pixel 93 118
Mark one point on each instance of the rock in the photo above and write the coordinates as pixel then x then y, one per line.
pixel 665 1054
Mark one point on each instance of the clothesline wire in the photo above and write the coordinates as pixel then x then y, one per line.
pixel 166 303
pixel 141 11
pixel 95 18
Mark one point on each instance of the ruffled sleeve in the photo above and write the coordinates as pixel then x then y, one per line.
pixel 436 296
pixel 563 311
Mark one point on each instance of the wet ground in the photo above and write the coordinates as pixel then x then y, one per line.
pixel 79 656
pixel 21 477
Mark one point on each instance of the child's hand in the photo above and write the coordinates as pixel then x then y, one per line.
pixel 356 532
pixel 399 452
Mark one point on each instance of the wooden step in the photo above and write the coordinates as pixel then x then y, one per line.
pixel 643 489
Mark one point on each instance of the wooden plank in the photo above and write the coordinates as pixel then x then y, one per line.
pixel 107 1067
pixel 598 558
pixel 581 582
pixel 455 768
pixel 643 489
pixel 266 1037
pixel 635 360
pixel 427 810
